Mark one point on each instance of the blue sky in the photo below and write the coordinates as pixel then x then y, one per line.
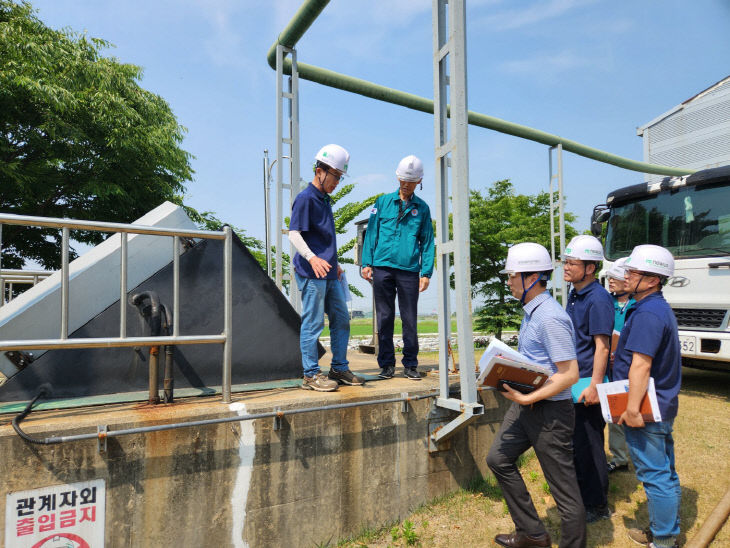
pixel 588 70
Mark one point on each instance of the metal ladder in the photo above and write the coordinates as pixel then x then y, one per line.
pixel 449 55
pixel 290 99
pixel 556 179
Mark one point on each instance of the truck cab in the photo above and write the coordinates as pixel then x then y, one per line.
pixel 690 216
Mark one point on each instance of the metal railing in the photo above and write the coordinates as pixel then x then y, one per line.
pixel 66 225
pixel 10 277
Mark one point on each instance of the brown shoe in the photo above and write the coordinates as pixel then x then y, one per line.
pixel 520 540
pixel 319 382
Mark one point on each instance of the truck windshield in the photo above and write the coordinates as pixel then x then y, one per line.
pixel 689 222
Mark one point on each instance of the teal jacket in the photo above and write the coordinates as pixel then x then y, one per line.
pixel 400 236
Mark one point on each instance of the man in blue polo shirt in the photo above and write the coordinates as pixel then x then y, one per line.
pixel 649 347
pixel 312 232
pixel 398 257
pixel 544 418
pixel 591 309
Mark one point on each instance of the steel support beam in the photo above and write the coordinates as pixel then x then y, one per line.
pixel 559 286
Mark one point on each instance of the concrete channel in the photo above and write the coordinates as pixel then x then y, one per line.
pixel 302 480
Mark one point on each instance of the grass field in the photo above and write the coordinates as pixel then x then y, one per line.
pixel 472 516
pixel 360 327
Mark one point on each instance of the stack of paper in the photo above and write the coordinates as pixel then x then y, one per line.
pixel 500 365
pixel 614 397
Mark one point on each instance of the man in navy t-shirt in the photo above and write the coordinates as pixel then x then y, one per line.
pixel 312 232
pixel 649 347
pixel 591 309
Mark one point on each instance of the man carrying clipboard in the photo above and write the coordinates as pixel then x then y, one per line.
pixel 649 347
pixel 544 418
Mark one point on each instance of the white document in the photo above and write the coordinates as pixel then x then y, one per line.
pixel 345 287
pixel 498 348
pixel 619 387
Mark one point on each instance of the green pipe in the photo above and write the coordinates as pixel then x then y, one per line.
pixel 311 9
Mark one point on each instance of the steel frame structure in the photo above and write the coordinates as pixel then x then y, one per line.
pixel 557 177
pixel 290 99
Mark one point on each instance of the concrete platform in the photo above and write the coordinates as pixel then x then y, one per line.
pixel 322 476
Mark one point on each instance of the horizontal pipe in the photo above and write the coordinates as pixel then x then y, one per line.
pixel 53 222
pixel 311 9
pixel 236 418
pixel 16 272
pixel 109 342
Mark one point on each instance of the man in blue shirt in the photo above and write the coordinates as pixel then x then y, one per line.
pixel 398 258
pixel 591 309
pixel 312 232
pixel 542 419
pixel 649 347
pixel 622 302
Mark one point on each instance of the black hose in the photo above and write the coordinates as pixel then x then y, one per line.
pixel 168 380
pixel 44 391
pixel 155 318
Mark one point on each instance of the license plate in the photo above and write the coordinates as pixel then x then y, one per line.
pixel 688 344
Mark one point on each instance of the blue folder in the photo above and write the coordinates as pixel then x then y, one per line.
pixel 581 385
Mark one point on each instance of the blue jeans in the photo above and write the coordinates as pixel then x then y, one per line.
pixel 652 452
pixel 321 296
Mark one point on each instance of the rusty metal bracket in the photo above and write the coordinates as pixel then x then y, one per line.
pixel 101 432
pixel 278 419
pixel 443 425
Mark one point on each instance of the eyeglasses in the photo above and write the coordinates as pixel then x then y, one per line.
pixel 628 273
pixel 336 176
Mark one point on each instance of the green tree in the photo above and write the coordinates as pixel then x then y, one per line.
pixel 500 218
pixel 79 137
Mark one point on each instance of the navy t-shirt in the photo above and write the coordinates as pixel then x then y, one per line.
pixel 311 215
pixel 591 310
pixel 651 329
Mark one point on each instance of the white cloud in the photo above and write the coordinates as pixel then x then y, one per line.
pixel 538 12
pixel 545 64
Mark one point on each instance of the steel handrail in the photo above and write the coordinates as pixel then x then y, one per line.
pixel 123 341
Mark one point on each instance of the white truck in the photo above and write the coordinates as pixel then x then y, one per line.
pixel 690 216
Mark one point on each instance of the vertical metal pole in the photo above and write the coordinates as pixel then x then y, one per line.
pixel 460 198
pixel 294 296
pixel 442 192
pixel 561 221
pixel 552 220
pixel 227 314
pixel 64 282
pixel 123 287
pixel 175 286
pixel 267 212
pixel 279 163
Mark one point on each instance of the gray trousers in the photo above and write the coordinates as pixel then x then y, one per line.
pixel 617 444
pixel 548 427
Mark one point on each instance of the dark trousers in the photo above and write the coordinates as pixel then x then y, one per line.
pixel 387 283
pixel 548 427
pixel 590 457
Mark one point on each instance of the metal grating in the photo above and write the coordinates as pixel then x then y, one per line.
pixel 700 317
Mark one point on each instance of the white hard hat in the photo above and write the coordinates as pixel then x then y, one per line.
pixel 410 169
pixel 527 257
pixel 617 270
pixel 584 248
pixel 651 258
pixel 334 156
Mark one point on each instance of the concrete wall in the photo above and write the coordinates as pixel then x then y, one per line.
pixel 322 477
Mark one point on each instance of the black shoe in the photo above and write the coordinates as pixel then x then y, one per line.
pixel 346 377
pixel 597 513
pixel 613 466
pixel 387 372
pixel 412 374
pixel 520 540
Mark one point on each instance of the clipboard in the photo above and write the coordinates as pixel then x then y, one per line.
pixel 523 377
pixel 614 397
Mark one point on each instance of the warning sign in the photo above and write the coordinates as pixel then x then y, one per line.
pixel 59 516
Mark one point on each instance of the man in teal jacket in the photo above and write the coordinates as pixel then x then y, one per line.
pixel 398 257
